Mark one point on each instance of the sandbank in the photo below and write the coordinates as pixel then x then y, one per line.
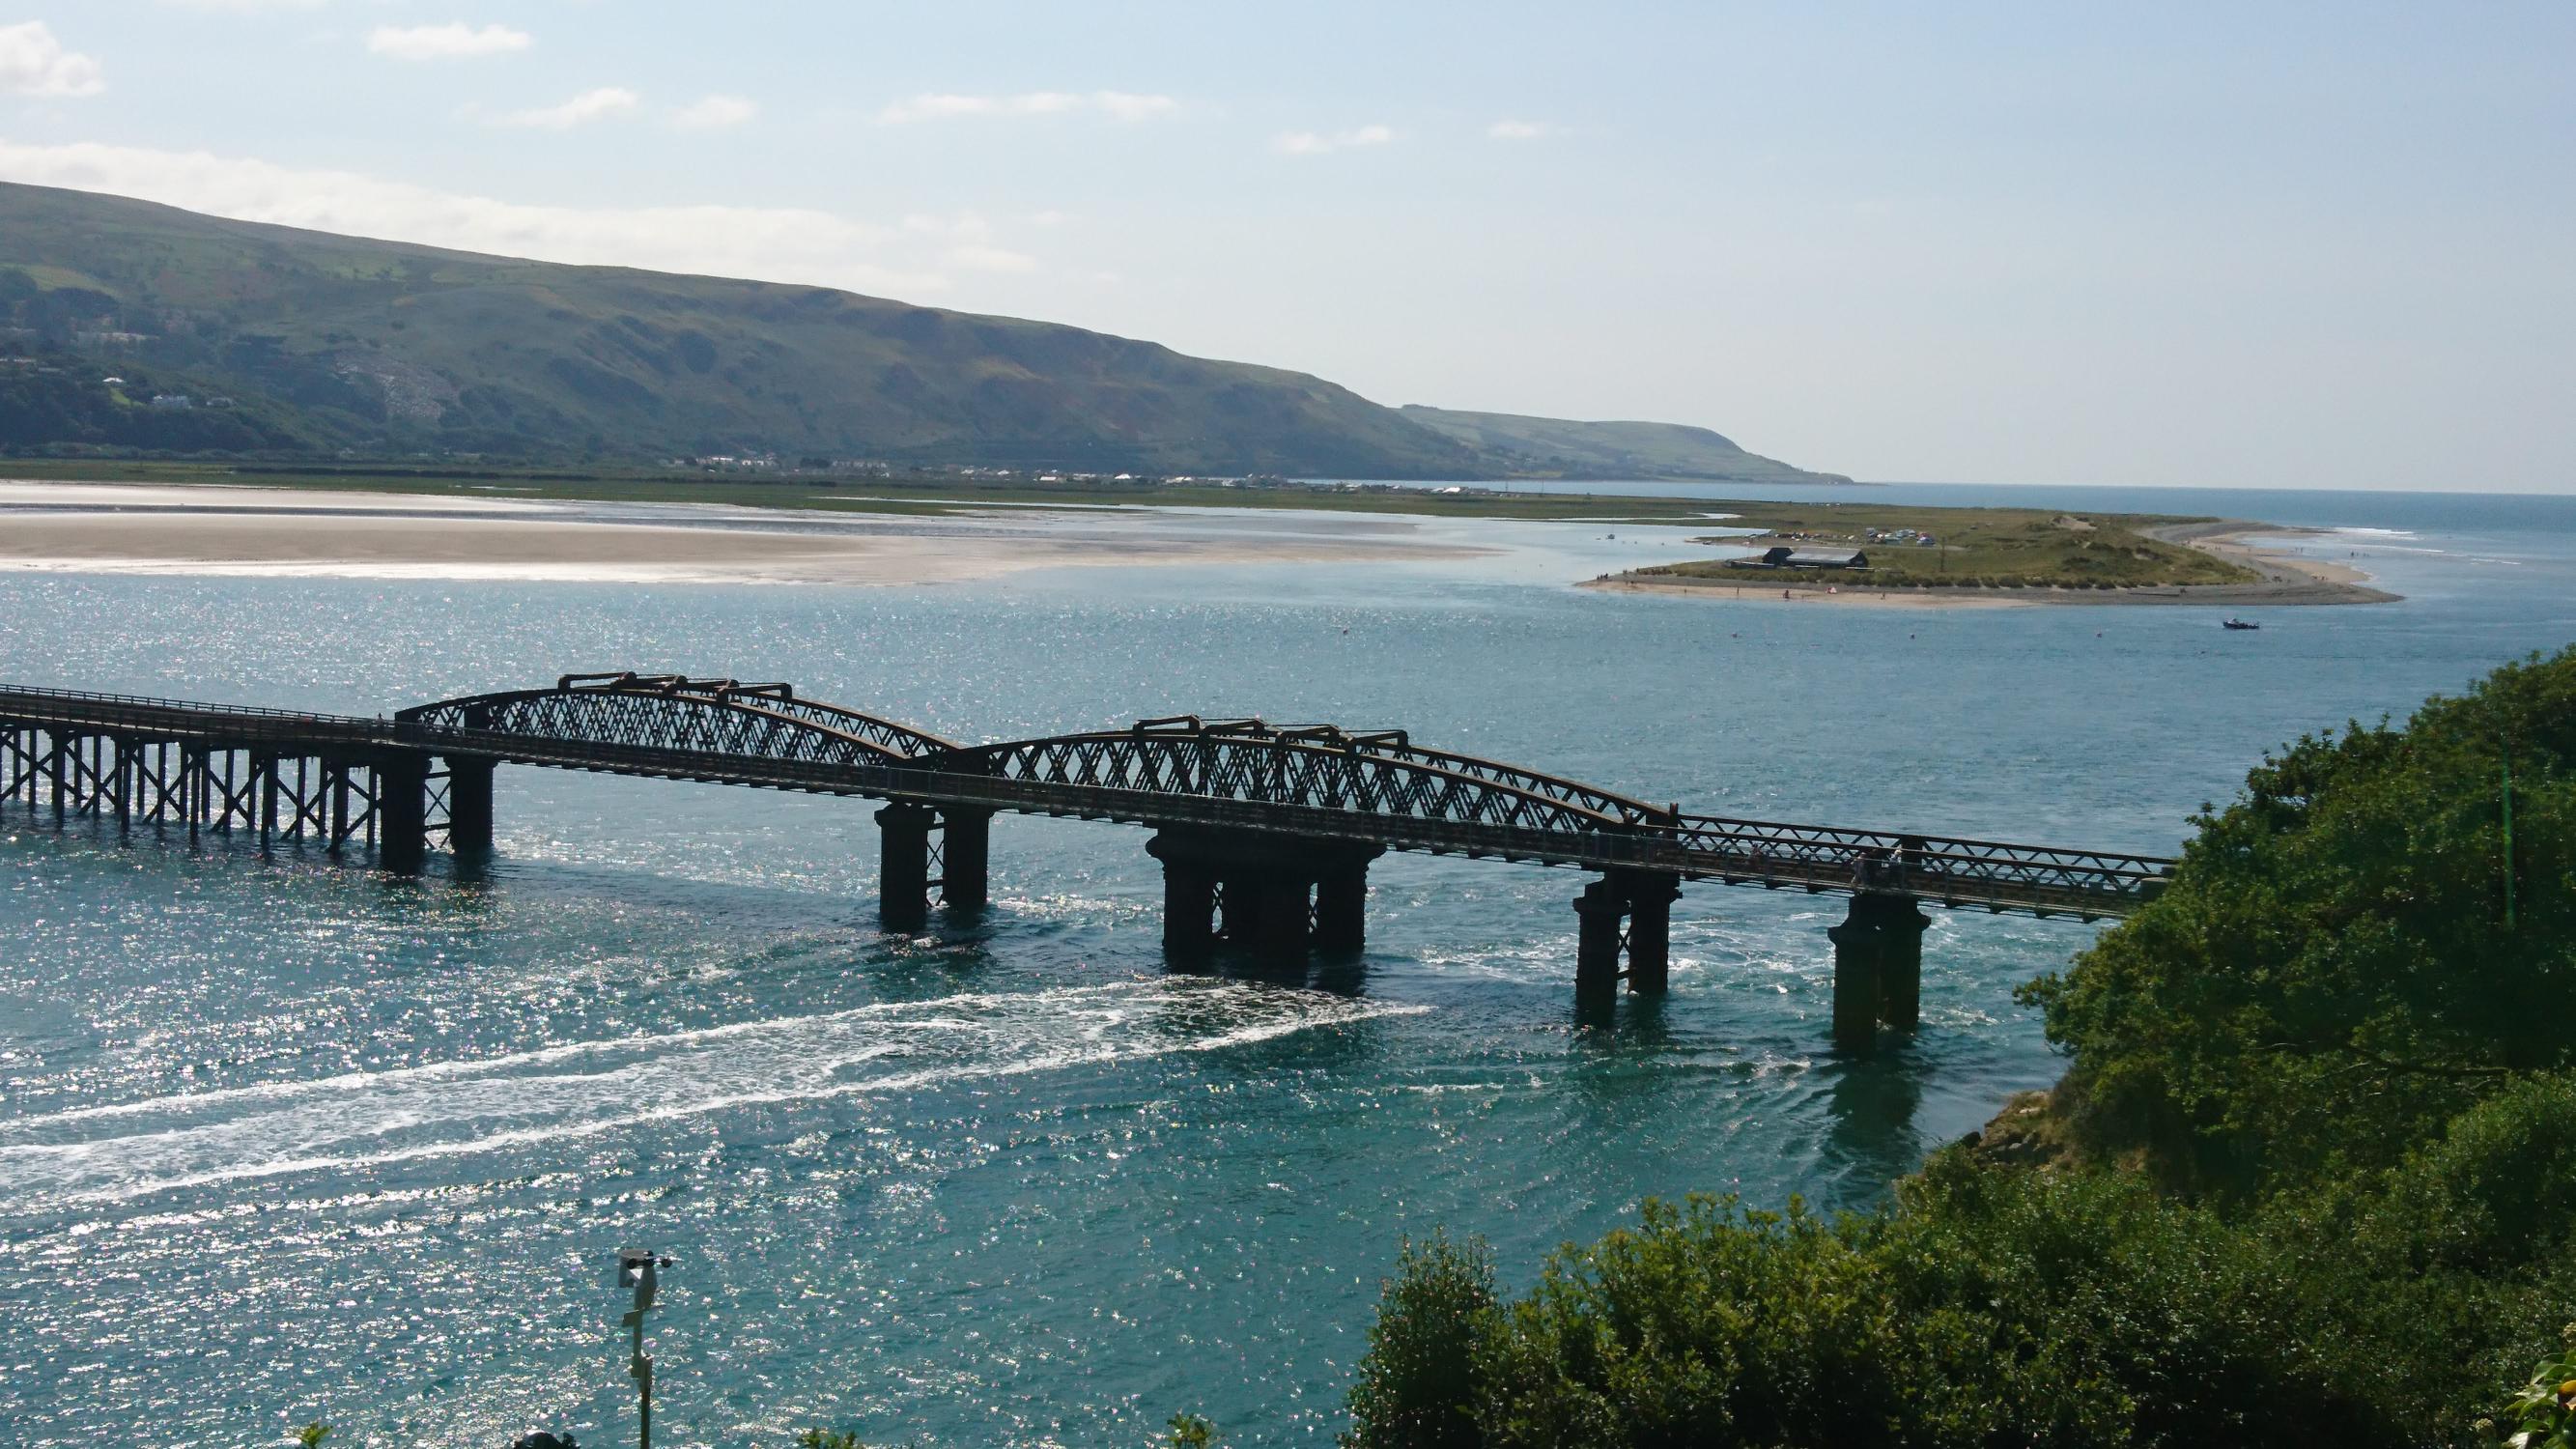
pixel 94 528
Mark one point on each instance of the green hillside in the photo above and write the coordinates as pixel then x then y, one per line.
pixel 1611 450
pixel 343 345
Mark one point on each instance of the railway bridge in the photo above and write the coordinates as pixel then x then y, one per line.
pixel 1265 832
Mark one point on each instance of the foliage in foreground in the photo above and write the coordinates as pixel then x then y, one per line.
pixel 2331 975
pixel 2326 1101
pixel 2005 1306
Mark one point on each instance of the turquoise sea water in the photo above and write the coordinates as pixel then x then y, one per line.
pixel 284 1138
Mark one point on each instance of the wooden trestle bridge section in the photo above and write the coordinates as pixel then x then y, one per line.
pixel 1265 832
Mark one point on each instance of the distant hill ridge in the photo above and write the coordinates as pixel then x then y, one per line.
pixel 282 341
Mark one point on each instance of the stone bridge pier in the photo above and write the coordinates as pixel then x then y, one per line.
pixel 958 862
pixel 1274 895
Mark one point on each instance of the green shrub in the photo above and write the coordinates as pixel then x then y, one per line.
pixel 2543 1415
pixel 1420 1385
pixel 2330 976
pixel 1985 1307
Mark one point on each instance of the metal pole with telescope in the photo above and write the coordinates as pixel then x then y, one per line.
pixel 636 1269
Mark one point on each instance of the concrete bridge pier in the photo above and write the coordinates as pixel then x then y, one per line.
pixel 469 805
pixel 1275 895
pixel 1878 968
pixel 1625 913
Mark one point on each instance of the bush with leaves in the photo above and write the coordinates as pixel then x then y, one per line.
pixel 1984 1307
pixel 2331 976
pixel 2346 1070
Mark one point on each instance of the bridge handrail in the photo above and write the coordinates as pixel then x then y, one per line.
pixel 186 706
pixel 1899 847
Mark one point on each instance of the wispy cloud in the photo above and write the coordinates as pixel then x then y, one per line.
pixel 915 256
pixel 1520 130
pixel 581 110
pixel 1117 105
pixel 455 41
pixel 1317 143
pixel 714 113
pixel 247 7
pixel 34 63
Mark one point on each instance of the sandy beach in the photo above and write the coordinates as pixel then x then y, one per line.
pixel 2287 578
pixel 288 532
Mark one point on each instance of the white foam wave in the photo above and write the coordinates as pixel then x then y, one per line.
pixel 368 1119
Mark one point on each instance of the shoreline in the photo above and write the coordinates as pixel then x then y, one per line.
pixel 2287 579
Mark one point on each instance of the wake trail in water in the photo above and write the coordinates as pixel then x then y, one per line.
pixel 361 1120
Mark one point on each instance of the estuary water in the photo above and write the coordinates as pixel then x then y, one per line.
pixel 285 1138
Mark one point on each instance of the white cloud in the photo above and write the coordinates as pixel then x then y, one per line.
pixel 921 254
pixel 455 41
pixel 247 7
pixel 714 113
pixel 966 242
pixel 1117 105
pixel 1519 130
pixel 1316 143
pixel 34 63
pixel 581 110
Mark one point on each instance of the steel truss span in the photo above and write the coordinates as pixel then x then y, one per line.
pixel 1314 783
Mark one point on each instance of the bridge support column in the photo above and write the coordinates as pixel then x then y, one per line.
pixel 965 857
pixel 402 812
pixel 1278 894
pixel 903 877
pixel 1630 913
pixel 1878 968
pixel 1341 911
pixel 469 805
pixel 1189 910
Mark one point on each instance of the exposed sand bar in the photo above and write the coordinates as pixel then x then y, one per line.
pixel 290 532
pixel 2286 579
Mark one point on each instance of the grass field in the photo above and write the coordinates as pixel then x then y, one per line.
pixel 1977 548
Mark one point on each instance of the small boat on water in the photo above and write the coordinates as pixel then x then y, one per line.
pixel 2232 622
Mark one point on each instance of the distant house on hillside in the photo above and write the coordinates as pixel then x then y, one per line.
pixel 1781 556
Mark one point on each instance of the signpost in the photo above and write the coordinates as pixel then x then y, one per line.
pixel 636 1269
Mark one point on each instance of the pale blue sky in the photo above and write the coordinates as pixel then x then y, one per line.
pixel 2285 245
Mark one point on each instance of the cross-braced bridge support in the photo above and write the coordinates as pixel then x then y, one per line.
pixel 946 846
pixel 1273 895
pixel 1625 914
pixel 389 799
